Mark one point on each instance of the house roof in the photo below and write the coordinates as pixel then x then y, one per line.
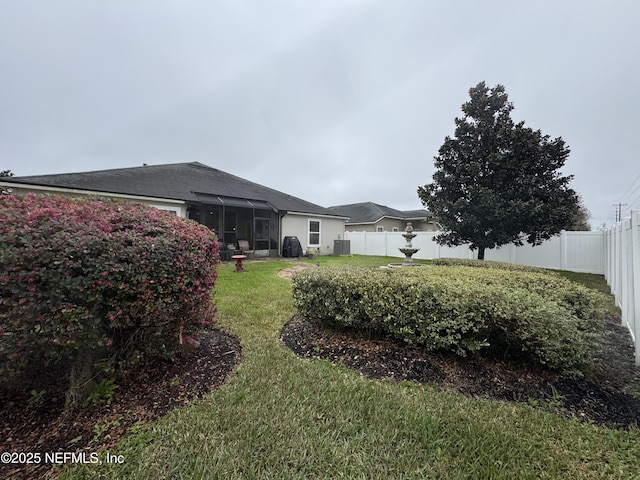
pixel 369 212
pixel 193 182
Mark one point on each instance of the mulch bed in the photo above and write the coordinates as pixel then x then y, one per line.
pixel 603 398
pixel 150 392
pixel 142 396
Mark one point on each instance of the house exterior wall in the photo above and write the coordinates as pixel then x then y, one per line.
pixel 297 225
pixel 292 223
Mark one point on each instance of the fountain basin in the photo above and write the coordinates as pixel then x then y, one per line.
pixel 401 265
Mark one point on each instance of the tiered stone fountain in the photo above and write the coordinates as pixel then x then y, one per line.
pixel 408 249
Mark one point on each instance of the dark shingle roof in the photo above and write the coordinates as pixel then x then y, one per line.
pixel 369 212
pixel 192 181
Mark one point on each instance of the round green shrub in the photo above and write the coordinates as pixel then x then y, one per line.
pixel 87 280
pixel 541 318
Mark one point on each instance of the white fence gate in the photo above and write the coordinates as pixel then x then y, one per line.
pixel 614 253
pixel 622 271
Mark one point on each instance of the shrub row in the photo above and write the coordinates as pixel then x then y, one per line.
pixel 458 262
pixel 541 318
pixel 86 279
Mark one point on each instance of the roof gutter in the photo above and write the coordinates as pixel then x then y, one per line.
pixel 390 217
pixel 320 215
pixel 31 186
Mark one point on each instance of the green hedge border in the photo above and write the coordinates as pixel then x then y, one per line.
pixel 533 315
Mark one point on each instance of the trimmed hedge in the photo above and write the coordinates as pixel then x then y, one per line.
pixel 541 318
pixel 87 280
pixel 458 262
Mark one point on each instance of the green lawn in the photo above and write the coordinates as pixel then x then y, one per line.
pixel 280 416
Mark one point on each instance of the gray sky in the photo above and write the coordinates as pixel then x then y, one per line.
pixel 333 101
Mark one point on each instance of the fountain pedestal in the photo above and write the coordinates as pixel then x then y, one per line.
pixel 408 249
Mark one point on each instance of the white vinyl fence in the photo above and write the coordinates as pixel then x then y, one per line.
pixel 575 251
pixel 614 253
pixel 622 271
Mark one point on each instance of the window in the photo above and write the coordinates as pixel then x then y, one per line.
pixel 174 210
pixel 395 229
pixel 314 233
pixel 379 229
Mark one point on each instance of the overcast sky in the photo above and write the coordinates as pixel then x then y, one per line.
pixel 333 101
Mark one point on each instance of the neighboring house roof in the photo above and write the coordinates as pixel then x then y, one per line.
pixel 193 182
pixel 369 212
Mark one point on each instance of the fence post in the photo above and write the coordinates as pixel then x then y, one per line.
pixel 607 256
pixel 625 270
pixel 618 263
pixel 563 250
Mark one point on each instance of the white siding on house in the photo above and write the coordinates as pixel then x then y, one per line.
pixel 297 225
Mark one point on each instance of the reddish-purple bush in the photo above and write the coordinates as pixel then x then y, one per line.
pixel 82 278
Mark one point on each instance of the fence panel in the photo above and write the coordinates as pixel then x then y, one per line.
pixel 547 255
pixel 576 251
pixel 622 265
pixel 584 252
pixel 634 306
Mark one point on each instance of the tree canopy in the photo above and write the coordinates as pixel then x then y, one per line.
pixel 580 221
pixel 497 181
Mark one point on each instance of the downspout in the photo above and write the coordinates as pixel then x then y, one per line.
pixel 280 217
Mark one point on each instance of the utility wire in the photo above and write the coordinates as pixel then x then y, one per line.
pixel 624 195
pixel 634 205
pixel 633 196
pixel 628 201
pixel 633 202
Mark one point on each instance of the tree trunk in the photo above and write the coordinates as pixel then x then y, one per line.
pixel 79 379
pixel 480 253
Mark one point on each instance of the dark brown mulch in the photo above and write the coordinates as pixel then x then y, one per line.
pixel 142 396
pixel 604 398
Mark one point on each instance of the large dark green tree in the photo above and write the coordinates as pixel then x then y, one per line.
pixel 497 181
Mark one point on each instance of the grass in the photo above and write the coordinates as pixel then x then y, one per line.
pixel 280 416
